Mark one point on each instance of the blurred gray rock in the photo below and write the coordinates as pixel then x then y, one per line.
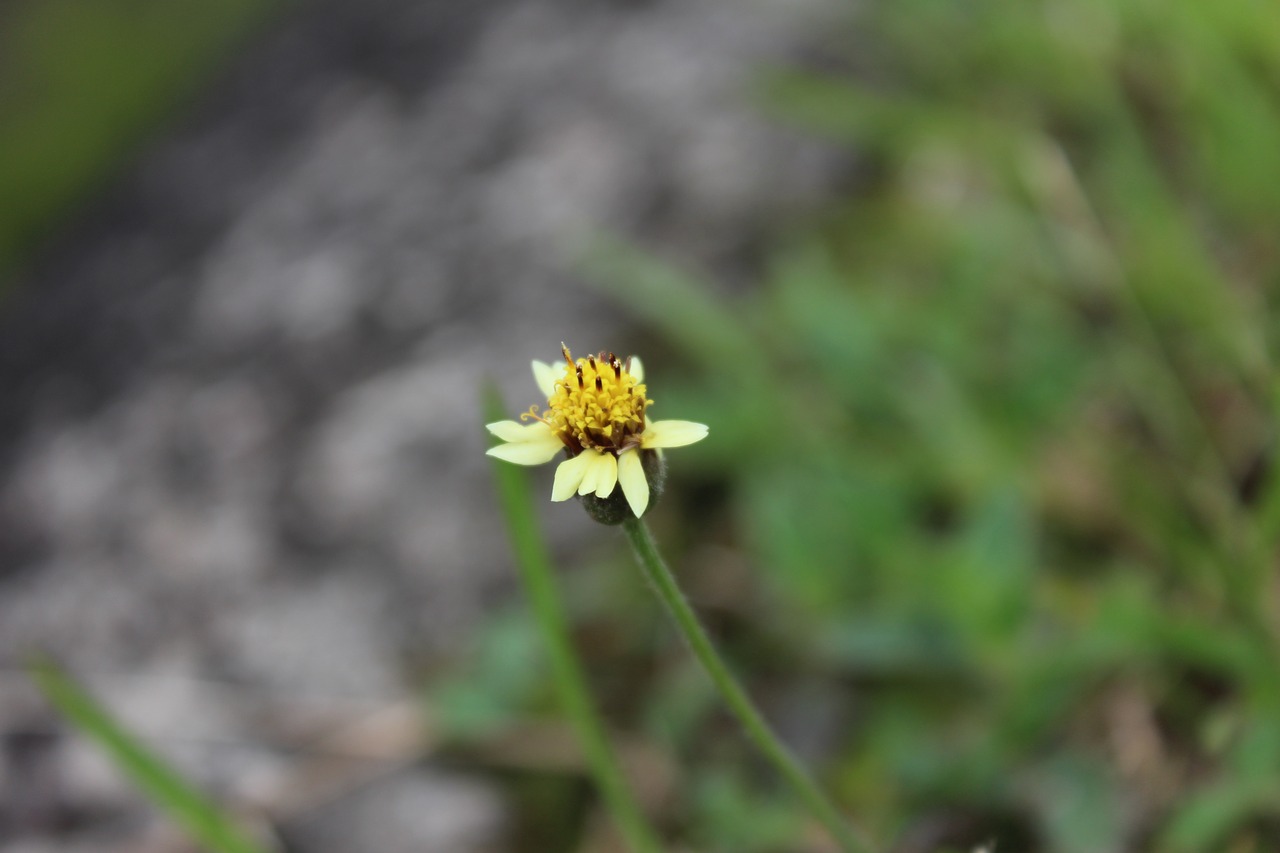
pixel 408 813
pixel 240 432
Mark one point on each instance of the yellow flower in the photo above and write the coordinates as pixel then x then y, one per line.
pixel 595 412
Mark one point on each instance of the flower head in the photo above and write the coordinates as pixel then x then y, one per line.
pixel 595 413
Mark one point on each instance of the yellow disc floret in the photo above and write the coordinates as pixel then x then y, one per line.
pixel 597 404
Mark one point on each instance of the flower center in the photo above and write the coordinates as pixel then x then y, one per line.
pixel 597 404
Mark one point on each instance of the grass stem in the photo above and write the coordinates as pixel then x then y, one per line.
pixel 571 686
pixel 664 583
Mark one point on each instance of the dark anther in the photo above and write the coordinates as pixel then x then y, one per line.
pixel 565 351
pixel 599 384
pixel 579 377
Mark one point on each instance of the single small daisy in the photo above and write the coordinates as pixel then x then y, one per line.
pixel 595 413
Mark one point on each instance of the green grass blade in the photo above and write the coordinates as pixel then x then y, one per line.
pixel 201 819
pixel 537 573
pixel 675 301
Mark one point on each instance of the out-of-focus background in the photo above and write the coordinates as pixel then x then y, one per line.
pixel 978 300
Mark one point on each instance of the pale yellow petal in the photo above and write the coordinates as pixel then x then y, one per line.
pixel 527 452
pixel 672 434
pixel 546 376
pixel 516 431
pixel 601 477
pixel 588 484
pixel 637 368
pixel 607 476
pixel 635 485
pixel 569 474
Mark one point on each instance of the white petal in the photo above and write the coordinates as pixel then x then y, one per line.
pixel 606 476
pixel 527 452
pixel 546 376
pixel 569 474
pixel 637 368
pixel 672 434
pixel 602 473
pixel 588 483
pixel 635 485
pixel 516 431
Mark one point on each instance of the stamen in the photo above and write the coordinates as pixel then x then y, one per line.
pixel 607 417
pixel 534 414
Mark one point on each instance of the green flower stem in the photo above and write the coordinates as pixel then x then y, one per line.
pixel 664 583
pixel 536 572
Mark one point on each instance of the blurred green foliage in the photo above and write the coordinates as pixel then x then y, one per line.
pixel 80 83
pixel 995 438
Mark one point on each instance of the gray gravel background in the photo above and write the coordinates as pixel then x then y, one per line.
pixel 243 488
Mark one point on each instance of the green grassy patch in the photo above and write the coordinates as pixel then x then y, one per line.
pixel 81 83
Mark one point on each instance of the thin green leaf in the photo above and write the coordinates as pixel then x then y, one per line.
pixel 537 573
pixel 202 820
